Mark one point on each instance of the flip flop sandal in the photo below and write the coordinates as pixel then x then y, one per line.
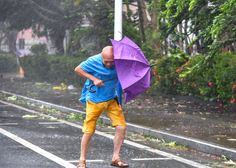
pixel 81 165
pixel 118 163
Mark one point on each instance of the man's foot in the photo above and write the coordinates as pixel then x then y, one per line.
pixel 81 164
pixel 118 163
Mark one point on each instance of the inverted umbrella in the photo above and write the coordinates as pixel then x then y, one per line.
pixel 133 70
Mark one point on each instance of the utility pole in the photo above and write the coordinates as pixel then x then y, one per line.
pixel 118 36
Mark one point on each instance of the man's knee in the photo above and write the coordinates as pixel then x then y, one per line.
pixel 120 128
pixel 88 135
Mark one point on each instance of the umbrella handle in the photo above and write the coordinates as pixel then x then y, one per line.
pixel 153 65
pixel 93 91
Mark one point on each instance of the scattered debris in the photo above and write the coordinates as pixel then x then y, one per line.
pixel 231 139
pixel 73 116
pixel 70 87
pixel 30 116
pixel 62 87
pixel 12 98
pixel 230 163
pixel 40 84
pixel 53 119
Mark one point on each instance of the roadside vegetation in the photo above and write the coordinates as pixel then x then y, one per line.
pixel 8 64
pixel 181 74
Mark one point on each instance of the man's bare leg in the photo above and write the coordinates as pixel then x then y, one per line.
pixel 118 141
pixel 85 143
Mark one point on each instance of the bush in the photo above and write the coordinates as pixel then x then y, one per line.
pixel 40 48
pixel 36 67
pixel 180 74
pixel 62 70
pixel 166 73
pixel 8 63
pixel 225 79
pixel 53 69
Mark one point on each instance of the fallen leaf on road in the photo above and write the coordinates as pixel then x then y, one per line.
pixel 12 98
pixel 137 139
pixel 230 163
pixel 53 119
pixel 52 127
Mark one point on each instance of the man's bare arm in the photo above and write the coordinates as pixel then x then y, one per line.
pixel 97 82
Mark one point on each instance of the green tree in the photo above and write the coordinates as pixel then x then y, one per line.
pixel 224 27
pixel 54 16
pixel 57 16
pixel 207 20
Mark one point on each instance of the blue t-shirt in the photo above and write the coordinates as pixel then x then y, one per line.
pixel 94 66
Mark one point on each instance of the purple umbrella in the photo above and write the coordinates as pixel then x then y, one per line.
pixel 133 69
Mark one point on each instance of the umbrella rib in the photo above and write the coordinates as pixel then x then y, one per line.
pixel 118 59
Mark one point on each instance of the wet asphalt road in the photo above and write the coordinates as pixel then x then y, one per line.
pixel 38 142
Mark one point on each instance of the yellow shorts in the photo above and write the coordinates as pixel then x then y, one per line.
pixel 94 110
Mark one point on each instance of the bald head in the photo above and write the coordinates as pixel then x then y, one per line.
pixel 107 51
pixel 108 57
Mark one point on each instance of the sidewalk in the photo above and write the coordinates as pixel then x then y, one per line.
pixel 203 127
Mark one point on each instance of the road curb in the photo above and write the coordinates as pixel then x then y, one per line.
pixel 192 143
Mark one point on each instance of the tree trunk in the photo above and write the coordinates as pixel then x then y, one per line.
pixel 198 45
pixel 180 40
pixel 69 45
pixel 129 12
pixel 1 40
pixel 225 49
pixel 145 18
pixel 156 42
pixel 234 46
pixel 140 11
pixel 108 4
pixel 60 39
pixel 11 36
pixel 166 43
pixel 187 50
pixel 57 35
pixel 228 35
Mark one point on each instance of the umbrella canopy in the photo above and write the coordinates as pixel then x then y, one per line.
pixel 133 69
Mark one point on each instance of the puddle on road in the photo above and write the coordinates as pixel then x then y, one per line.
pixel 181 151
pixel 217 129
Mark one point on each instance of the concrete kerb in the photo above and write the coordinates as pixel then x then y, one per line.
pixel 192 143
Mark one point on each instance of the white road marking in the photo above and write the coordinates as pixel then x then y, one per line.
pixel 168 155
pixel 37 149
pixel 87 161
pixel 3 124
pixel 143 147
pixel 42 123
pixel 143 159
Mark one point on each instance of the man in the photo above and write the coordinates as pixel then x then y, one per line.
pixel 97 69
